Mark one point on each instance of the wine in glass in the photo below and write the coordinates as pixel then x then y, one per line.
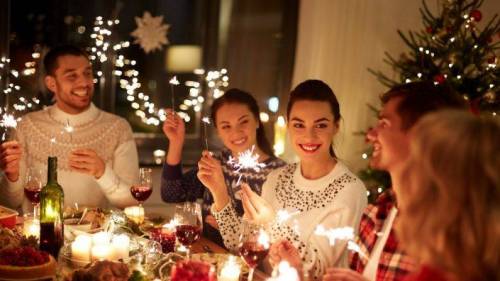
pixel 32 188
pixel 144 188
pixel 189 225
pixel 254 244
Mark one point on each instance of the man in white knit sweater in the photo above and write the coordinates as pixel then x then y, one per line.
pixel 97 155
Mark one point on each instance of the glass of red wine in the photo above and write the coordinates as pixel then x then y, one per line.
pixel 32 187
pixel 254 244
pixel 189 225
pixel 144 188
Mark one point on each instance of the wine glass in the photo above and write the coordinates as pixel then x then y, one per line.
pixel 254 244
pixel 32 188
pixel 189 224
pixel 144 188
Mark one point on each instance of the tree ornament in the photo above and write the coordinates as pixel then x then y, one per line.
pixel 151 33
pixel 476 15
pixel 439 78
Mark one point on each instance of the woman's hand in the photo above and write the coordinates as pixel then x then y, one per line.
pixel 342 274
pixel 283 250
pixel 175 131
pixel 210 174
pixel 256 208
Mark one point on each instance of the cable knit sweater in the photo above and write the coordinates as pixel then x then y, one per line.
pixel 108 135
pixel 335 200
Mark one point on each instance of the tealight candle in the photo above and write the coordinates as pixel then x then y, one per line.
pixel 101 252
pixel 31 227
pixel 101 238
pixel 80 249
pixel 120 244
pixel 135 214
pixel 230 271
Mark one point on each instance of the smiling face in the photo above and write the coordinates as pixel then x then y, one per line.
pixel 390 141
pixel 72 83
pixel 236 127
pixel 312 127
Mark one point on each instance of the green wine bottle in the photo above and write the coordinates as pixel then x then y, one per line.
pixel 51 212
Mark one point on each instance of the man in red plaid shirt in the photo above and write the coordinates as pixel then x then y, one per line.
pixel 381 257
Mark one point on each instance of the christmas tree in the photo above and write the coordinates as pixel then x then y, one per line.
pixel 451 48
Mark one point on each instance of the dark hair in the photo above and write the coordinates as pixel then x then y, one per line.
pixel 241 97
pixel 315 90
pixel 50 59
pixel 419 98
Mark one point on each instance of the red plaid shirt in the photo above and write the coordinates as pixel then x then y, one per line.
pixel 394 264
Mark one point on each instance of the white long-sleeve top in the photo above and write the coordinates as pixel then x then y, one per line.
pixel 108 135
pixel 335 200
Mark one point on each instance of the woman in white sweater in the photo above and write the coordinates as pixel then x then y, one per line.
pixel 317 190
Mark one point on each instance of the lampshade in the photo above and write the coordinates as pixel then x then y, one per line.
pixel 183 58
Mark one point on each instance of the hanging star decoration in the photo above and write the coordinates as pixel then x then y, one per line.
pixel 151 32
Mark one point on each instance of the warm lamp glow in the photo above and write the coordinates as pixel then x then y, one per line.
pixel 183 58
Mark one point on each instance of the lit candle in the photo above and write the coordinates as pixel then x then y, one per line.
pixel 101 238
pixel 101 252
pixel 31 227
pixel 120 244
pixel 230 271
pixel 80 249
pixel 135 214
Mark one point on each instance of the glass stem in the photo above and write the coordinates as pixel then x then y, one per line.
pixel 36 211
pixel 250 274
pixel 188 252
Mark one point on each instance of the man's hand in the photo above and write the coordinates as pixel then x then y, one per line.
pixel 10 157
pixel 283 250
pixel 342 274
pixel 87 161
pixel 211 175
pixel 256 208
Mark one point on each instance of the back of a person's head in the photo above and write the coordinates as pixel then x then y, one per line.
pixel 451 209
pixel 416 99
pixel 50 59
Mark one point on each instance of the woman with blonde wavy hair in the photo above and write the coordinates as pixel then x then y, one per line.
pixel 450 212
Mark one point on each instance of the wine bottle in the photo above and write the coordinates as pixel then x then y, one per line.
pixel 51 212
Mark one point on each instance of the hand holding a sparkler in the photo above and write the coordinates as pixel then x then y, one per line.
pixel 344 274
pixel 284 250
pixel 10 156
pixel 87 161
pixel 256 208
pixel 175 131
pixel 210 174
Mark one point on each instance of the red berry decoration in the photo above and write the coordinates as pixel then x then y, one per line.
pixel 439 78
pixel 476 15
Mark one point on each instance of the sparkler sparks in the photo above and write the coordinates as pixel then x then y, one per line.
pixel 9 123
pixel 246 160
pixel 173 82
pixel 285 273
pixel 283 215
pixel 341 233
pixel 206 122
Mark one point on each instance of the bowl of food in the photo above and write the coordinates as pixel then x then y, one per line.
pixel 8 217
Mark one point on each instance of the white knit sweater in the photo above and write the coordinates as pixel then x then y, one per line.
pixel 108 135
pixel 335 200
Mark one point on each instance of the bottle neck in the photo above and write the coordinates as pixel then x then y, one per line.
pixel 52 170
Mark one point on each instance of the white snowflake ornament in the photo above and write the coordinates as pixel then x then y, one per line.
pixel 151 32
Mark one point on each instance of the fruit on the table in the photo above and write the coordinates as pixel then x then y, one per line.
pixel 193 271
pixel 26 263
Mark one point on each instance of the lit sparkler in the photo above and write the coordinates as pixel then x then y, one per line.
pixel 206 122
pixel 69 129
pixel 283 215
pixel 9 123
pixel 246 160
pixel 173 82
pixel 285 273
pixel 341 233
